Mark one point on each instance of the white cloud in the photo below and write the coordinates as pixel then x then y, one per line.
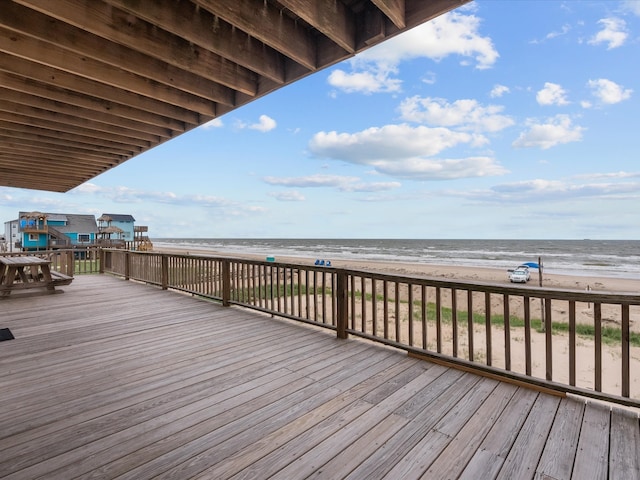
pixel 343 183
pixel 429 78
pixel 215 123
pixel 555 131
pixel 265 124
pixel 204 200
pixel 554 34
pixel 608 92
pixel 498 91
pixel 552 94
pixel 373 81
pixel 28 200
pixel 5 198
pixel 288 196
pixel 441 169
pixel 558 33
pixel 122 194
pixel 371 187
pixel 390 141
pixel 541 191
pixel 450 34
pixel 453 33
pixel 311 181
pixel 465 113
pixel 545 189
pixel 130 195
pixel 86 187
pixel 621 174
pixel 402 151
pixel 633 6
pixel 613 33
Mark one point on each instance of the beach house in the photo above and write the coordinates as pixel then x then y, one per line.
pixel 123 223
pixel 115 230
pixel 47 231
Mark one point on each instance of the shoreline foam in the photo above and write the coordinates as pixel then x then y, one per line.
pixel 453 272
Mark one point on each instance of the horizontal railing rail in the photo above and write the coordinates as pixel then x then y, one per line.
pixel 69 261
pixel 562 340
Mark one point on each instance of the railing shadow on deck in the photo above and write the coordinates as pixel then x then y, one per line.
pixel 523 334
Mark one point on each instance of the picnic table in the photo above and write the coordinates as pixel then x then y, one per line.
pixel 29 272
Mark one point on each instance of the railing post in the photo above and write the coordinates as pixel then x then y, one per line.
pixel 127 265
pixel 101 259
pixel 165 271
pixel 226 283
pixel 71 263
pixel 342 319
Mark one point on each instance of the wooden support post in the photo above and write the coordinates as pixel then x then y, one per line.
pixel 342 310
pixel 226 283
pixel 71 263
pixel 165 271
pixel 101 255
pixel 548 338
pixel 127 265
pixel 626 392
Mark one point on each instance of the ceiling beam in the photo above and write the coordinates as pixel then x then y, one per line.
pixel 418 12
pixel 49 111
pixel 59 125
pixel 64 139
pixel 42 150
pixel 122 28
pixel 146 121
pixel 59 35
pixel 15 162
pixel 276 29
pixel 211 33
pixel 333 19
pixel 52 182
pixel 52 76
pixel 393 9
pixel 81 66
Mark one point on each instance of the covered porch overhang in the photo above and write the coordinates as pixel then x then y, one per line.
pixel 87 84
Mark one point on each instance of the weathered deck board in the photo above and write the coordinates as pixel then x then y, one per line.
pixel 625 445
pixel 593 448
pixel 115 379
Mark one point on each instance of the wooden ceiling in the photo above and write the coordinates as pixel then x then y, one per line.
pixel 88 84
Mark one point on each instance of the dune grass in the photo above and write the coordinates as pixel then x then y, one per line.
pixel 610 335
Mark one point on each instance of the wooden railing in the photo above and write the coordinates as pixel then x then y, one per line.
pixel 528 334
pixel 72 261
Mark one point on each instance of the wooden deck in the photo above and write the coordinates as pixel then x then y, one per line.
pixel 114 379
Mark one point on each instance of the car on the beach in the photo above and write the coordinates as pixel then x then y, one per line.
pixel 520 274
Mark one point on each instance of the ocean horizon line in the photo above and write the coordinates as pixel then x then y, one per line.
pixel 609 258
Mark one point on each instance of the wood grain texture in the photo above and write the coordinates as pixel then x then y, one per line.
pixel 119 379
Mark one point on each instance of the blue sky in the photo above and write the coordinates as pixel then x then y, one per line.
pixel 502 119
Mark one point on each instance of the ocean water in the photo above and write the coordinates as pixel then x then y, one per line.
pixel 607 258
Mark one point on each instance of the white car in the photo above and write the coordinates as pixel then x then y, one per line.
pixel 519 275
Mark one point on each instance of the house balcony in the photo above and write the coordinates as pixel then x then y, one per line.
pixel 150 378
pixel 34 228
pixel 111 243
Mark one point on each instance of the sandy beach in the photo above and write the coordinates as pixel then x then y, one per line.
pixel 603 284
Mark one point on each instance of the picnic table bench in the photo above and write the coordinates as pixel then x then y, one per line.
pixel 29 272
